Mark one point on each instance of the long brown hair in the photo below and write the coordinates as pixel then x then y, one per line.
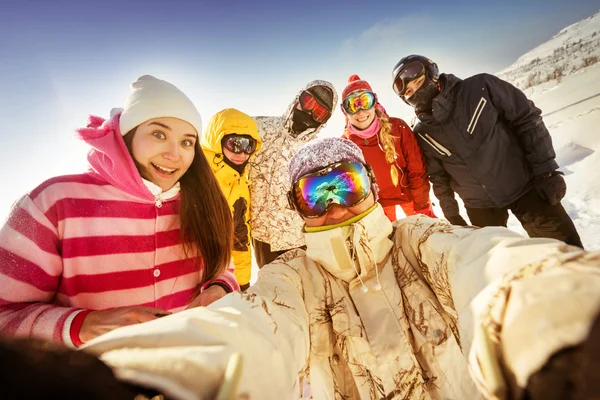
pixel 206 224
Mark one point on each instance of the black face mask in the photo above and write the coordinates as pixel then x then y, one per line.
pixel 238 168
pixel 302 120
pixel 422 99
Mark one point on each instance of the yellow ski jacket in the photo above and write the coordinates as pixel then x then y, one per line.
pixel 235 186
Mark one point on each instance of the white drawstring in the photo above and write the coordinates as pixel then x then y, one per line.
pixel 357 235
pixel 378 284
pixel 364 287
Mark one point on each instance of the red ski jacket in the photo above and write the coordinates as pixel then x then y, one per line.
pixel 412 171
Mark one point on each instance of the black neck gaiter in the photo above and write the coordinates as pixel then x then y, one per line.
pixel 238 168
pixel 303 120
pixel 422 99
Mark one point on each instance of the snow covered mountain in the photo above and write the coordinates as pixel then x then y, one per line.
pixel 562 77
pixel 571 50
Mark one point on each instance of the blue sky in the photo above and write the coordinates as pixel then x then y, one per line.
pixel 63 60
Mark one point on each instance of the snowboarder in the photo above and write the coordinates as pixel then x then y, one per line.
pixel 484 140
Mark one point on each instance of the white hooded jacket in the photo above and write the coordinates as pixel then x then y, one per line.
pixel 271 219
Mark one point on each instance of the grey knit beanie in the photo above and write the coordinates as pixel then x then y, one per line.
pixel 319 153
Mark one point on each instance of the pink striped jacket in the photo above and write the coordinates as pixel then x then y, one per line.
pixel 93 241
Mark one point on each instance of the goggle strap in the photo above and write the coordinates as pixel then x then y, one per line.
pixel 370 173
pixel 290 199
pixel 316 99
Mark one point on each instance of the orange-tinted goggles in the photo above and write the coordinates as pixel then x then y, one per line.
pixel 310 104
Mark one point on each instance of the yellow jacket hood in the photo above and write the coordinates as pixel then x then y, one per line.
pixel 226 122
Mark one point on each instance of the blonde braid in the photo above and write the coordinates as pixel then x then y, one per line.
pixel 388 144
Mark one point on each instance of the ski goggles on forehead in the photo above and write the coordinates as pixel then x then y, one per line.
pixel 310 104
pixel 355 102
pixel 345 184
pixel 240 144
pixel 406 74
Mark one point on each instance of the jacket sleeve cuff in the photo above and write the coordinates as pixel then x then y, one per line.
pixel 225 287
pixel 450 210
pixel 548 166
pixel 227 281
pixel 72 327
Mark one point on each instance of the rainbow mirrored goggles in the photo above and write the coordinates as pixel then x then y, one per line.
pixel 346 184
pixel 357 101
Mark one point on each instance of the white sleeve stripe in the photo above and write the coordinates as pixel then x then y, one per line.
pixel 436 145
pixel 476 115
pixel 66 333
pixel 431 144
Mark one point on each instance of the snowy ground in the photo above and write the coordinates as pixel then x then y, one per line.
pixel 571 109
pixel 572 114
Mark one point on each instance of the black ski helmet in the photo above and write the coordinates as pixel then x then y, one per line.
pixel 428 67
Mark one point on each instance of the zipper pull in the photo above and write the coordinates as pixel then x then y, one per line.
pixel 158 202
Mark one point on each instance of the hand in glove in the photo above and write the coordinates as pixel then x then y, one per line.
pixel 425 209
pixel 457 220
pixel 551 186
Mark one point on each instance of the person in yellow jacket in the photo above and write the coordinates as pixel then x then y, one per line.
pixel 229 141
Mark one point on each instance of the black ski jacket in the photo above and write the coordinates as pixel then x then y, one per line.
pixel 483 140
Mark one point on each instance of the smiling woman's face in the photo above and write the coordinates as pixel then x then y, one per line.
pixel 164 149
pixel 363 118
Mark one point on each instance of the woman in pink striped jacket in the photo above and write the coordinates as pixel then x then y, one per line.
pixel 145 232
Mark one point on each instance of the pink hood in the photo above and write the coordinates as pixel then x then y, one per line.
pixel 110 158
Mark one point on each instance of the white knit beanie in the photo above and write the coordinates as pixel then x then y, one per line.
pixel 154 98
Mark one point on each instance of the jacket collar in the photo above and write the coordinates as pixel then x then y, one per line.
pixel 367 241
pixel 157 191
pixel 443 103
pixel 372 141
